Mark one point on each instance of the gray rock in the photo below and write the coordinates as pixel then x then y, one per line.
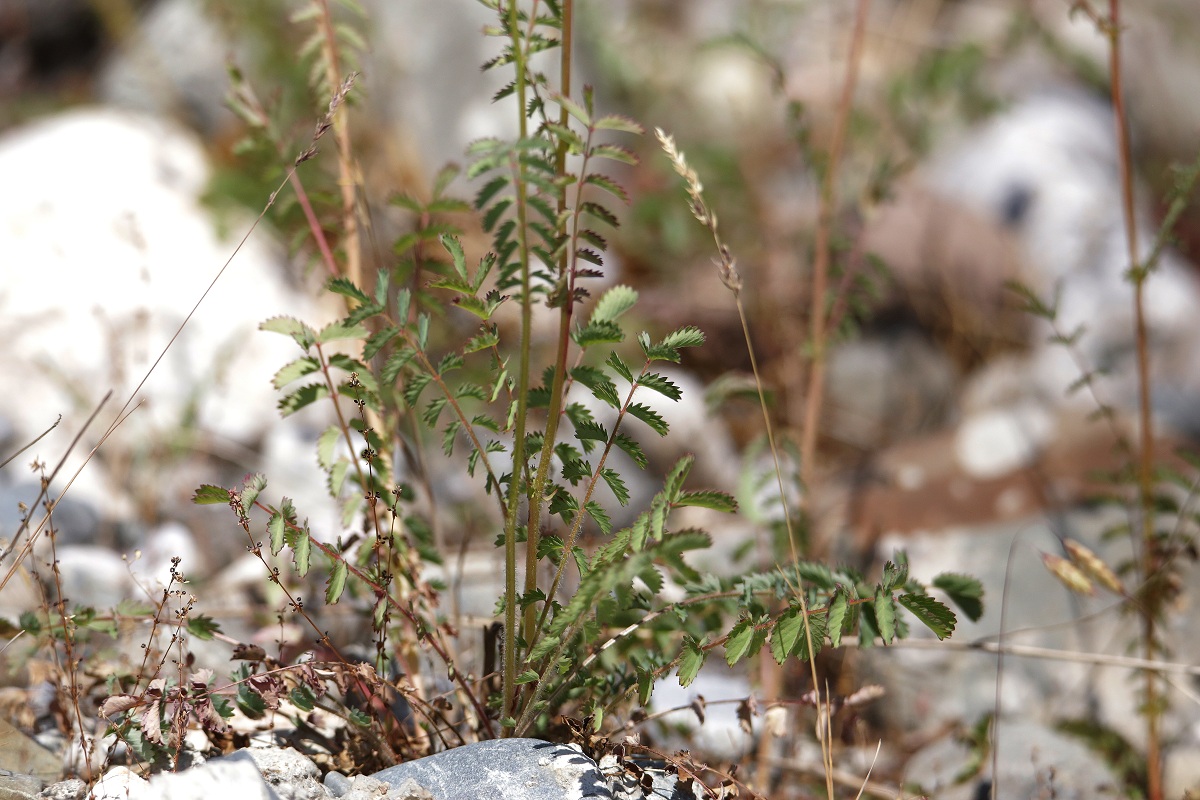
pixel 70 789
pixel 337 783
pixel 513 769
pixel 19 786
pixel 365 787
pixel 290 775
pixel 227 777
pixel 1046 169
pixel 121 783
pixel 886 387
pixel 931 686
pixel 1034 761
pixel 103 303
pixel 173 65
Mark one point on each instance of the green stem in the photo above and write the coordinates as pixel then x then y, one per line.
pixel 537 491
pixel 518 462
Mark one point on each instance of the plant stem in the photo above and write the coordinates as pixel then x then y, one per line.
pixel 1151 598
pixel 553 414
pixel 818 327
pixel 348 177
pixel 518 461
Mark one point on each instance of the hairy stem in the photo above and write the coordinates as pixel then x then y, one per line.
pixel 518 462
pixel 566 275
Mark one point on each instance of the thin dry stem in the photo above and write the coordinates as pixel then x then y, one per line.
pixel 1149 557
pixel 727 271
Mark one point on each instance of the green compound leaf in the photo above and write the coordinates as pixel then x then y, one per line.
pixel 276 529
pixel 252 487
pixel 788 636
pixel 203 627
pixel 608 185
pixel 345 288
pixel 598 332
pixel 302 552
pixel 632 449
pixel 338 331
pixel 599 516
pixel 650 417
pixel 613 303
pixel 690 660
pixel 208 495
pixel 305 336
pixel 303 698
pixel 326 444
pixel 303 397
pixel 673 485
pixel 932 613
pixel 615 122
pixel 619 367
pixel 688 336
pixel 337 581
pixel 305 365
pixel 744 640
pixel 379 340
pixel 717 501
pixel 885 615
pixel 616 485
pixel 591 431
pixel 838 605
pixel 454 248
pixel 660 384
pixel 964 591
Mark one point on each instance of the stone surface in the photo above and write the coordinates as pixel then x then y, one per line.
pixel 930 687
pixel 1034 761
pixel 174 66
pixel 92 311
pixel 289 774
pixel 337 783
pixel 886 387
pixel 227 777
pixel 121 783
pixel 365 787
pixel 1046 169
pixel 20 754
pixel 515 769
pixel 19 786
pixel 70 789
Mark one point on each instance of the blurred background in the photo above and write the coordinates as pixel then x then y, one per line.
pixel 978 182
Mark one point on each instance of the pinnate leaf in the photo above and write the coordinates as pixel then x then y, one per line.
pixel 885 615
pixel 690 660
pixel 207 495
pixel 964 591
pixel 932 613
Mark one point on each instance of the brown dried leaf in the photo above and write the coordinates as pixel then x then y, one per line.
pixel 698 705
pixel 269 687
pixel 248 652
pixel 747 710
pixel 115 704
pixel 151 721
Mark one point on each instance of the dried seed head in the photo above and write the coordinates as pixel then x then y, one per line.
pixel 1093 566
pixel 1071 576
